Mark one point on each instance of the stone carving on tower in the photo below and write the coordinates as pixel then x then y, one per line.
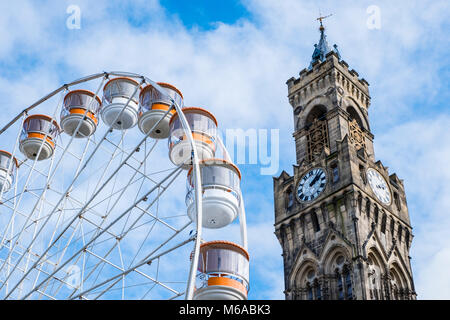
pixel 342 218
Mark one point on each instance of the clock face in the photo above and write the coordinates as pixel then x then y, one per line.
pixel 311 185
pixel 379 186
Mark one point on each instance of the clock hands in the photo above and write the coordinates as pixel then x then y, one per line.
pixel 314 180
pixel 311 185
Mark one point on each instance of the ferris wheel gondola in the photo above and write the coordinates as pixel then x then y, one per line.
pixel 8 168
pixel 154 105
pixel 203 126
pixel 38 137
pixel 121 103
pixel 80 108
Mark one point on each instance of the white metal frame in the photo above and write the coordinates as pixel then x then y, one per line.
pixel 33 264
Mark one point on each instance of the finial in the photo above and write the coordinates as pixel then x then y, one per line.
pixel 321 18
pixel 322 49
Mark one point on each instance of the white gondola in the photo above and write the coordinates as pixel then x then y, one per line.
pixel 38 137
pixel 80 106
pixel 221 193
pixel 154 105
pixel 116 93
pixel 204 131
pixel 8 167
pixel 225 272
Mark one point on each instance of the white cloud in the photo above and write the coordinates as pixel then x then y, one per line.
pixel 418 152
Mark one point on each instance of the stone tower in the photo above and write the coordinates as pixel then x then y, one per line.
pixel 342 218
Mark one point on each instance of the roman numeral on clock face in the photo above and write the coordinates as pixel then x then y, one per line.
pixel 311 185
pixel 378 185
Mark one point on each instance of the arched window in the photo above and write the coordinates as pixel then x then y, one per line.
pixel 397 201
pixel 383 223
pixel 309 292
pixel 343 289
pixel 375 214
pixel 318 112
pixel 368 208
pixel 335 172
pixel 362 174
pixel 310 284
pixel 392 227
pixel 407 238
pixel 360 203
pixel 340 286
pixel 348 285
pixel 355 116
pixel 399 233
pixel 289 198
pixel 317 290
pixel 317 128
pixel 315 221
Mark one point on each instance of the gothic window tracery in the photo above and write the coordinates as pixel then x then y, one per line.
pixel 355 126
pixel 341 272
pixel 317 132
pixel 344 283
pixel 310 285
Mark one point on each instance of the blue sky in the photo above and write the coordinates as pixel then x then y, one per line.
pixel 234 57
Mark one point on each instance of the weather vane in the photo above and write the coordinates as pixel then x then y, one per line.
pixel 321 18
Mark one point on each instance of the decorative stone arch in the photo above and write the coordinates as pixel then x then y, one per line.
pixel 302 271
pixel 348 103
pixel 323 102
pixel 337 265
pixel 374 252
pixel 304 278
pixel 399 284
pixel 397 268
pixel 376 271
pixel 332 253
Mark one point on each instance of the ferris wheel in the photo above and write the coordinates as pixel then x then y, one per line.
pixel 92 178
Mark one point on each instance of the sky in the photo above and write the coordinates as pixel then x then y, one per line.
pixel 234 58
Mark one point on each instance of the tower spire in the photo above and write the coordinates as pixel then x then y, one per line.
pixel 322 49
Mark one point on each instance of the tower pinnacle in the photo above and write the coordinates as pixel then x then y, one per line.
pixel 322 49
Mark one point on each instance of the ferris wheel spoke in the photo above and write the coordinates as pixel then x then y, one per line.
pixel 143 261
pixel 104 184
pixel 79 171
pixel 133 226
pixel 174 173
pixel 138 265
pixel 49 178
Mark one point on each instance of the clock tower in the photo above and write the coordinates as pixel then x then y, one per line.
pixel 342 218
